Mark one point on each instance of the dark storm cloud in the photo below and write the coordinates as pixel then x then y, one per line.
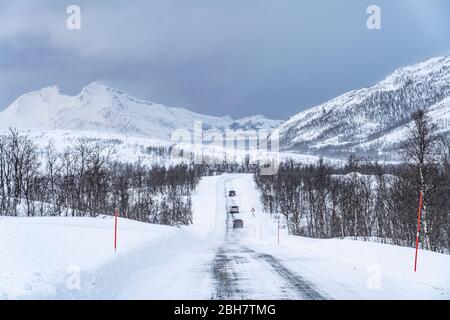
pixel 217 57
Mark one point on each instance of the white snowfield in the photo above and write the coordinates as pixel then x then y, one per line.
pixel 73 258
pixel 134 149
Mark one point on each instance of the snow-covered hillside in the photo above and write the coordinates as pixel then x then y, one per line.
pixel 131 149
pixel 99 108
pixel 370 120
pixel 373 119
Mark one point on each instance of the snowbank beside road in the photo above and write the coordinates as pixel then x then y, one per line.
pixel 42 258
pixel 206 199
pixel 349 269
pixel 48 257
pixel 345 269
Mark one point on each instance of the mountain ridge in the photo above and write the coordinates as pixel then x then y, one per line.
pixel 372 120
pixel 101 108
pixel 363 120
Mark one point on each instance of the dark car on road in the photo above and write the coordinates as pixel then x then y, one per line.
pixel 238 223
pixel 234 209
pixel 232 193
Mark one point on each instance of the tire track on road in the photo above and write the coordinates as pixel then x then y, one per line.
pixel 242 273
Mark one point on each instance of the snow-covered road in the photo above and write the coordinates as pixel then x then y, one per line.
pixel 243 273
pixel 72 258
pixel 225 267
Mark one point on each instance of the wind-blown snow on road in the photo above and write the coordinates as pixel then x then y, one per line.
pixel 208 260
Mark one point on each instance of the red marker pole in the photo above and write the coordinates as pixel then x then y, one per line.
pixel 116 215
pixel 418 230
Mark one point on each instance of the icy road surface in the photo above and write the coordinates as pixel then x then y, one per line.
pixel 228 268
pixel 243 273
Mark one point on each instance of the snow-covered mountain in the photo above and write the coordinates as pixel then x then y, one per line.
pixel 98 108
pixel 373 120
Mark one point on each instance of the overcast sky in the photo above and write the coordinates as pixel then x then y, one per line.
pixel 220 57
